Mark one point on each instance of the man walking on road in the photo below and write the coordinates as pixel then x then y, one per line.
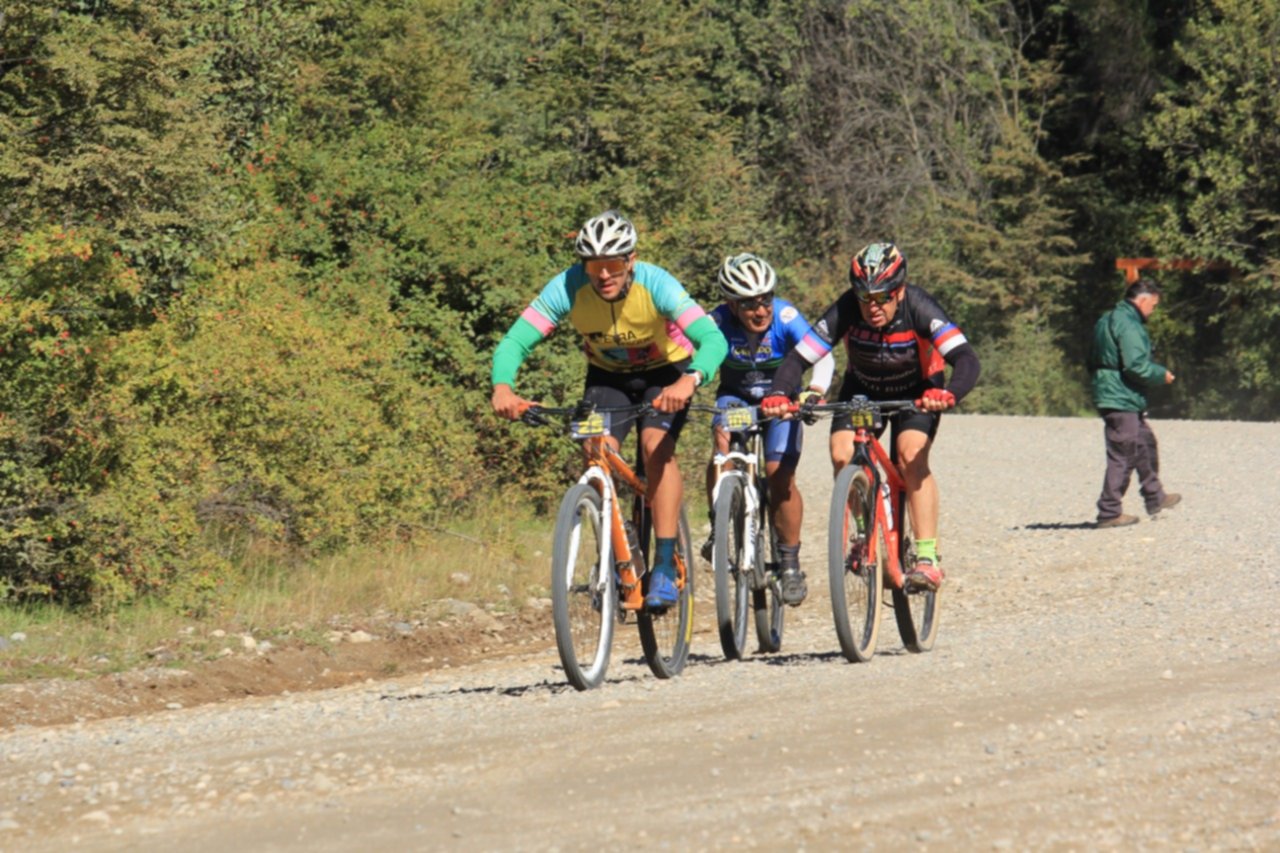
pixel 1121 368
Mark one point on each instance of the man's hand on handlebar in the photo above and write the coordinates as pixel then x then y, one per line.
pixel 808 400
pixel 776 406
pixel 508 404
pixel 677 395
pixel 936 400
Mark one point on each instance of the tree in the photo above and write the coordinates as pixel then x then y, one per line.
pixel 922 124
pixel 1218 129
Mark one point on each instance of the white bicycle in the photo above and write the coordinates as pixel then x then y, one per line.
pixel 745 544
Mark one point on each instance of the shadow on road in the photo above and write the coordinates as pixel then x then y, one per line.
pixel 551 688
pixel 1059 525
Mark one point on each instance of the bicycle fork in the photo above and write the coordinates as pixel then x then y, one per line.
pixel 618 549
pixel 750 523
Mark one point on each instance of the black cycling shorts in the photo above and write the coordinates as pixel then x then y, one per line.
pixel 926 422
pixel 607 388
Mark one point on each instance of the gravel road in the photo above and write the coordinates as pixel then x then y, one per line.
pixel 1090 689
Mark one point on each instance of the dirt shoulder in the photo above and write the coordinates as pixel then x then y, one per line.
pixel 283 667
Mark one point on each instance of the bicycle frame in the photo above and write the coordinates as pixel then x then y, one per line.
pixel 871 455
pixel 749 459
pixel 605 464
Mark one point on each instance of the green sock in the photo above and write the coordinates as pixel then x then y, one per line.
pixel 927 549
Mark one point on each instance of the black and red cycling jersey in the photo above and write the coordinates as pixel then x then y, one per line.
pixel 901 360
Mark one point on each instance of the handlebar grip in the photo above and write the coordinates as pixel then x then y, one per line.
pixel 533 417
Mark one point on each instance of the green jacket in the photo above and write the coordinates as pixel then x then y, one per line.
pixel 1120 360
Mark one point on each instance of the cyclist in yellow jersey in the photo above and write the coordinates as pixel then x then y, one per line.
pixel 646 340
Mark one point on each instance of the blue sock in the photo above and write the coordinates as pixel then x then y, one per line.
pixel 664 557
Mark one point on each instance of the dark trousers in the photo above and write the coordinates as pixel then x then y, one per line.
pixel 1131 446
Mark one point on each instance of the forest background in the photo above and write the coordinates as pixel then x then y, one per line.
pixel 255 254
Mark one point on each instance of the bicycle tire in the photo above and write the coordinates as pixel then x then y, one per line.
pixel 665 636
pixel 732 577
pixel 766 602
pixel 916 613
pixel 856 583
pixel 583 602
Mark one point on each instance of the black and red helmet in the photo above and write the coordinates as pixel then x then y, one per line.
pixel 878 268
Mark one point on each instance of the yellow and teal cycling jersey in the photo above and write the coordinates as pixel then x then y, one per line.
pixel 648 328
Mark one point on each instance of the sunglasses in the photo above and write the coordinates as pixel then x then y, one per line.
pixel 754 304
pixel 612 267
pixel 877 298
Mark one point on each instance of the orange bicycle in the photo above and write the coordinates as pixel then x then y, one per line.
pixel 869 540
pixel 599 557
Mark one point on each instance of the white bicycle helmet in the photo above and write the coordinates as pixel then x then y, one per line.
pixel 746 276
pixel 608 235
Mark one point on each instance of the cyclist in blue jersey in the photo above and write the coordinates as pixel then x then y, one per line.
pixel 898 341
pixel 761 330
pixel 646 340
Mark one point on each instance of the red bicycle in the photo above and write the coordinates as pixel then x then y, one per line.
pixel 869 540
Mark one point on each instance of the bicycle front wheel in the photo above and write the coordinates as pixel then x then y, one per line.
pixel 733 576
pixel 584 596
pixel 665 636
pixel 916 612
pixel 856 557
pixel 766 596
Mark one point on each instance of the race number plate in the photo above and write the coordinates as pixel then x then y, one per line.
pixel 863 419
pixel 593 425
pixel 739 418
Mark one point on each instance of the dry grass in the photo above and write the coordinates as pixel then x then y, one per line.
pixel 499 557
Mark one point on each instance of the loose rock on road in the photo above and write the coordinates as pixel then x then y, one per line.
pixel 1089 689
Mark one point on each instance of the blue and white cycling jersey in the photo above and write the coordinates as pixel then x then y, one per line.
pixel 747 372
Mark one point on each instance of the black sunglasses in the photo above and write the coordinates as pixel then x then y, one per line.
pixel 754 304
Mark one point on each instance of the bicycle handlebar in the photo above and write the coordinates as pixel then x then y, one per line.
pixel 863 404
pixel 538 415
pixel 720 410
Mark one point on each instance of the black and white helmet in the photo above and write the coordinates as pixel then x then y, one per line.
pixel 746 276
pixel 608 235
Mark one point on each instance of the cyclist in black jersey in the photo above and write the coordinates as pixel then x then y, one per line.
pixel 898 341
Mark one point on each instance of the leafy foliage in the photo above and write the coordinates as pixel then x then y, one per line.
pixel 255 254
pixel 1219 131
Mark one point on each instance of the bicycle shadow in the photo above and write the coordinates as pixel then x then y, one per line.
pixel 539 688
pixel 1058 525
pixel 790 658
pixel 547 687
pixel 509 691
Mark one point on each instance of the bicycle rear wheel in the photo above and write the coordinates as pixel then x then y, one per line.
pixel 856 574
pixel 733 576
pixel 916 612
pixel 665 636
pixel 766 598
pixel 584 595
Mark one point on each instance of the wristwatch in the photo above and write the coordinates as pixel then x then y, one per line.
pixel 697 375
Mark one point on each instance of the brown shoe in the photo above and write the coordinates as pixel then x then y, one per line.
pixel 1121 520
pixel 1171 499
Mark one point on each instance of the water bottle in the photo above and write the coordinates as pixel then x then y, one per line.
pixel 888 505
pixel 633 543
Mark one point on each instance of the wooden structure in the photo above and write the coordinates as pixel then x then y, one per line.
pixel 1133 267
